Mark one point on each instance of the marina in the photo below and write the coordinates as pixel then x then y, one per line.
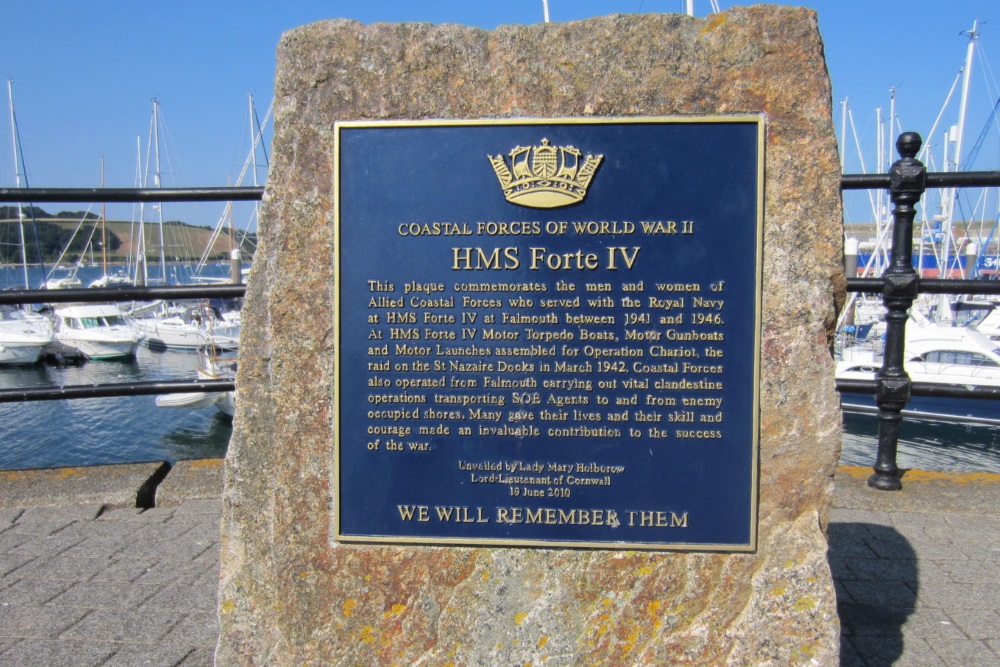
pixel 97 431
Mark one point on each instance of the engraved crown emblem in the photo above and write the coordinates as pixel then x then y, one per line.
pixel 545 176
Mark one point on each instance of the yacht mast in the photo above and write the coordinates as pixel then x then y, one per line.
pixel 689 6
pixel 141 276
pixel 958 135
pixel 843 133
pixel 157 184
pixel 104 227
pixel 17 180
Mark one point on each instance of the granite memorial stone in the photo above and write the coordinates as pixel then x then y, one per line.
pixel 535 366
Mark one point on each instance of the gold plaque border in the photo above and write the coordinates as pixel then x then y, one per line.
pixel 338 538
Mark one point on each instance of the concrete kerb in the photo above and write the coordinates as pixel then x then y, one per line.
pixel 975 494
pixel 141 485
pixel 191 480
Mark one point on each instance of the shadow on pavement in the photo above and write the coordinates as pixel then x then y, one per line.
pixel 875 574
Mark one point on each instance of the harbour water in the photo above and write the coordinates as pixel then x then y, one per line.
pixel 91 431
pixel 925 445
pixel 44 434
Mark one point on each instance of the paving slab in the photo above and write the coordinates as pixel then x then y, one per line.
pixel 89 585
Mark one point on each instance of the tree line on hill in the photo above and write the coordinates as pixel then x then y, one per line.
pixel 34 212
pixel 46 241
pixel 47 236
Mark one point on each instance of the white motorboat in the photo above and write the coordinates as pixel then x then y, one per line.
pixel 99 331
pixel 110 280
pixel 63 277
pixel 945 356
pixel 182 327
pixel 23 337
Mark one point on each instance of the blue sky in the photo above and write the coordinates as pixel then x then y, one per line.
pixel 85 73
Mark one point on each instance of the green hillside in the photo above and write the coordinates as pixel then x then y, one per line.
pixel 55 233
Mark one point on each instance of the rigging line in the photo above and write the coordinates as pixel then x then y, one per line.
pixel 260 131
pixel 248 163
pixel 989 79
pixel 69 241
pixel 861 159
pixel 982 138
pixel 922 156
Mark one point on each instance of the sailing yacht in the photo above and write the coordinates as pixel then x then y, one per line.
pixel 215 362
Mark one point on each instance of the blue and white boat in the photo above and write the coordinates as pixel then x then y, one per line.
pixel 941 355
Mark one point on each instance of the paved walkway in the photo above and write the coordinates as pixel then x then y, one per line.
pixel 918 570
pixel 917 574
pixel 124 587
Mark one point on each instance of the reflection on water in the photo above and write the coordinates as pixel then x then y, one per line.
pixel 925 445
pixel 47 434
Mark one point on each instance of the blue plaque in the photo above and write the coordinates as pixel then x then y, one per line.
pixel 548 332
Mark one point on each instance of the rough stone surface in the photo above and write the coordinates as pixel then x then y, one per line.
pixel 291 597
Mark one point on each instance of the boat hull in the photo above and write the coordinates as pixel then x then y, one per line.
pixel 20 353
pixel 224 401
pixel 970 411
pixel 158 336
pixel 102 349
pixel 190 400
pixel 227 405
pixel 23 338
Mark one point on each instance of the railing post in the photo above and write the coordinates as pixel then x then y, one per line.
pixel 908 180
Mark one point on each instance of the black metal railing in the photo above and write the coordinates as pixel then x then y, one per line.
pixel 128 195
pixel 121 293
pixel 906 182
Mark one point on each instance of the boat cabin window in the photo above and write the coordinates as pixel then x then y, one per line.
pixel 94 322
pixel 956 357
